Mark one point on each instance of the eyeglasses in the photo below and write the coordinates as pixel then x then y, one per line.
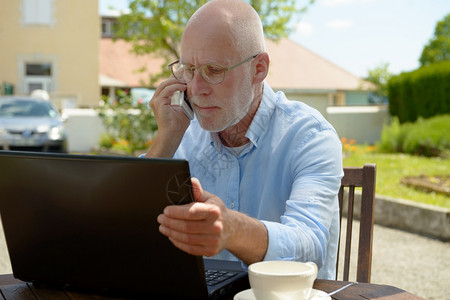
pixel 212 73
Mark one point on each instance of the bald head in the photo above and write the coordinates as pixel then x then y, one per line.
pixel 234 22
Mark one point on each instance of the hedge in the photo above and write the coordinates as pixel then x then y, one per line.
pixel 424 92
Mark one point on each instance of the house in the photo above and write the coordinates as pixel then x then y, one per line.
pixel 120 68
pixel 300 73
pixel 51 45
pixel 303 75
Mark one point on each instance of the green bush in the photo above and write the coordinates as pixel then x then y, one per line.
pixel 106 140
pixel 129 124
pixel 427 137
pixel 424 92
pixel 392 137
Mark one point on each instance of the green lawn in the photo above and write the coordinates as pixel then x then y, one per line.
pixel 392 167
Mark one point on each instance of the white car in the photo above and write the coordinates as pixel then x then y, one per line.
pixel 31 124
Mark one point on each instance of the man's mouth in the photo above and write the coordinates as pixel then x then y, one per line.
pixel 205 109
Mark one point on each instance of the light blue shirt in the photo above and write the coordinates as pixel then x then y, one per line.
pixel 288 177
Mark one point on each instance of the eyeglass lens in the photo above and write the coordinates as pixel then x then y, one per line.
pixel 212 73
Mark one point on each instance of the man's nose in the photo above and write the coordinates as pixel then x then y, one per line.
pixel 198 84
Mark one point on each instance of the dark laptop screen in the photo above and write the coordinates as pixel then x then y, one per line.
pixel 90 221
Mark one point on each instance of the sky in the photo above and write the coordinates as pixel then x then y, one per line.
pixel 360 35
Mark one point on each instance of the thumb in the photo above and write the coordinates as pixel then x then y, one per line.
pixel 197 190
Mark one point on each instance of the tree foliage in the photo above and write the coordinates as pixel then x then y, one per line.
pixel 379 76
pixel 129 124
pixel 424 92
pixel 438 48
pixel 155 26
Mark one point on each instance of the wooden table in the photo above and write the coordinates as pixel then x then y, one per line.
pixel 364 291
pixel 11 288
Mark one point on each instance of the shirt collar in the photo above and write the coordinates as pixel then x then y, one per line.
pixel 215 141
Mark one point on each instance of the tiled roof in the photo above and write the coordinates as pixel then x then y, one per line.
pixel 118 63
pixel 295 67
pixel 291 67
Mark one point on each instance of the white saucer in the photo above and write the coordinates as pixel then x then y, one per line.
pixel 248 295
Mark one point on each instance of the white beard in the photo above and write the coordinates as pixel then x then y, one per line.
pixel 241 102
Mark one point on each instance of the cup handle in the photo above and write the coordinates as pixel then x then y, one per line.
pixel 315 267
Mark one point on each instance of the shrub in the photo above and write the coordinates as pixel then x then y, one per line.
pixel 129 124
pixel 106 141
pixel 427 137
pixel 392 136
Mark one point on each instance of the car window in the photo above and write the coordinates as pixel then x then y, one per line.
pixel 27 109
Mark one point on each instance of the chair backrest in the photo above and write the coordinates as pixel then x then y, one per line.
pixel 363 177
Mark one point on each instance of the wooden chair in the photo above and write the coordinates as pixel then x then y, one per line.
pixel 363 177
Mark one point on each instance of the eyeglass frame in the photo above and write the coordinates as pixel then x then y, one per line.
pixel 225 69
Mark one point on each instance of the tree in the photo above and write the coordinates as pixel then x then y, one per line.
pixel 380 77
pixel 155 26
pixel 438 48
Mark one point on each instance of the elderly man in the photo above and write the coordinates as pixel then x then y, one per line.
pixel 267 169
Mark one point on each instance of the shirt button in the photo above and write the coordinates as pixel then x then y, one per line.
pixel 232 205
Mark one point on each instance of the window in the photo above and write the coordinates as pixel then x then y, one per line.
pixel 38 70
pixel 108 27
pixel 38 76
pixel 37 12
pixel 336 99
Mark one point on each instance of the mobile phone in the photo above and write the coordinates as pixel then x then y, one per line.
pixel 181 99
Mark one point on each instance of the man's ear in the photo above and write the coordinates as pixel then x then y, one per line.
pixel 261 67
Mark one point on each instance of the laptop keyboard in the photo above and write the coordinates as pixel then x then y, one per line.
pixel 214 277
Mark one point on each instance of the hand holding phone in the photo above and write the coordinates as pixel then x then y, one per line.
pixel 181 99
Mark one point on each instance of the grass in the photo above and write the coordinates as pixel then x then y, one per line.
pixel 392 167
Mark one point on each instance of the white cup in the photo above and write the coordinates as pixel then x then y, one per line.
pixel 276 280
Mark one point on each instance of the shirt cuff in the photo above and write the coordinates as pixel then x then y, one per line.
pixel 275 247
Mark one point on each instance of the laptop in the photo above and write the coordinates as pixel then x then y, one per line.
pixel 89 222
